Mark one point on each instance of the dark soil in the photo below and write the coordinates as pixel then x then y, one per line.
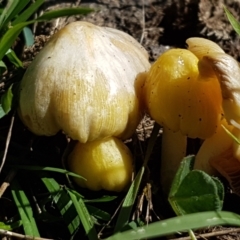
pixel 158 25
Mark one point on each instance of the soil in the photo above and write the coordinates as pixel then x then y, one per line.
pixel 158 25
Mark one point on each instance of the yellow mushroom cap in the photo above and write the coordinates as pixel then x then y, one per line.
pixel 106 164
pixel 182 99
pixel 82 82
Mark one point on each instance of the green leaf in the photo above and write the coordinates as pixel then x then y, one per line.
pixel 3 67
pixel 195 191
pixel 184 169
pixel 64 12
pixel 28 36
pixel 14 59
pixel 6 102
pixel 85 217
pixel 10 226
pixel 235 24
pixel 25 210
pixel 179 224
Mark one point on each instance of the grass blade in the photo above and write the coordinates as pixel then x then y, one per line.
pixel 25 15
pixel 98 213
pixel 25 210
pixel 52 186
pixel 235 24
pixel 64 204
pixel 130 198
pixel 10 36
pixel 102 199
pixel 11 55
pixel 51 169
pixel 179 224
pixel 12 9
pixel 133 191
pixel 84 215
pixel 64 12
pixel 6 101
pixel 28 37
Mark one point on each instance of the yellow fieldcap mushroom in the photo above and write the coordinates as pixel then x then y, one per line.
pixel 105 164
pixel 227 71
pixel 82 82
pixel 182 97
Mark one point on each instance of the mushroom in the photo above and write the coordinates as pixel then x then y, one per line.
pixel 106 164
pixel 227 71
pixel 186 100
pixel 82 82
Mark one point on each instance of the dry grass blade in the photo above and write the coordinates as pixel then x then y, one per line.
pixel 7 142
pixel 20 236
pixel 211 234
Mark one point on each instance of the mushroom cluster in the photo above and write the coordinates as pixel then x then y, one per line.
pixel 82 82
pixel 192 93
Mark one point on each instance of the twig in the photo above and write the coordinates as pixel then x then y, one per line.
pixel 20 236
pixel 212 234
pixel 7 142
pixel 143 19
pixel 7 181
pixel 114 214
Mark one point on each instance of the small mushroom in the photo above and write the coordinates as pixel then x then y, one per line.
pixel 105 164
pixel 82 82
pixel 227 71
pixel 182 97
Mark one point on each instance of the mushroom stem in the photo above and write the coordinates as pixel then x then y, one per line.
pixel 173 151
pixel 211 147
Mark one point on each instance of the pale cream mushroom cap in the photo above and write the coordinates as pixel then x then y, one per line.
pixel 82 82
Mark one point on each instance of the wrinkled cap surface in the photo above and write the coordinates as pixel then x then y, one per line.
pixel 82 82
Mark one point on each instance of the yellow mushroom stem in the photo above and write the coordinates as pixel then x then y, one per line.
pixel 173 151
pixel 105 164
